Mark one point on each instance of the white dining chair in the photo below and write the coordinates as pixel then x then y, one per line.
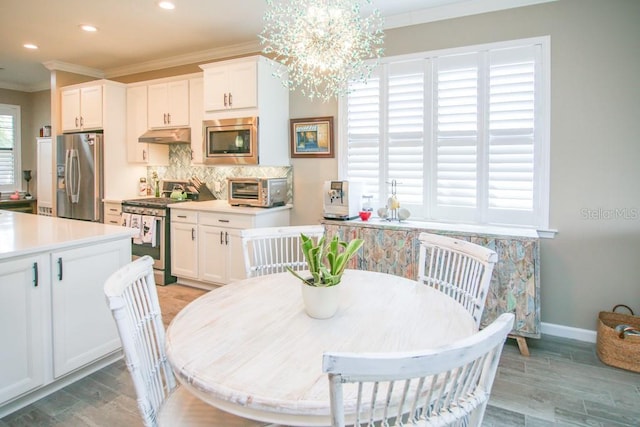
pixel 446 386
pixel 270 250
pixel 133 300
pixel 457 268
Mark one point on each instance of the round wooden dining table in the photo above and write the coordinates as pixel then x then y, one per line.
pixel 249 347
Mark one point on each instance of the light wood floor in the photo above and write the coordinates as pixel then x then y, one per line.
pixel 562 383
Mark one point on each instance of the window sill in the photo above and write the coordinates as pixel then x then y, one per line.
pixel 462 228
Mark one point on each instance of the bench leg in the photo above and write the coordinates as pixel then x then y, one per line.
pixel 522 344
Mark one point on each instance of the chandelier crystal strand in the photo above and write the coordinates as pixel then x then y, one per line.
pixel 324 44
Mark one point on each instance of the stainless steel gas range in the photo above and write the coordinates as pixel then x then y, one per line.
pixel 151 216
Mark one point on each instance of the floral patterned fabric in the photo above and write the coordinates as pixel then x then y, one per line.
pixel 515 284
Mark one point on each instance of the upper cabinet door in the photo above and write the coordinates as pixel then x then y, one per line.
pixel 215 89
pixel 243 85
pixel 81 108
pixel 70 106
pixel 91 107
pixel 178 103
pixel 231 86
pixel 169 104
pixel 158 98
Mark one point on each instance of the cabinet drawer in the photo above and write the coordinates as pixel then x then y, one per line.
pixel 113 219
pixel 112 209
pixel 226 220
pixel 190 217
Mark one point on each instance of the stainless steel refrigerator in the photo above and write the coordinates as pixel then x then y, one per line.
pixel 79 176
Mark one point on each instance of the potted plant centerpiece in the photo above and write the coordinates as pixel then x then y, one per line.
pixel 326 262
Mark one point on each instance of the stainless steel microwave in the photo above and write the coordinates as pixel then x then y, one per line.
pixel 231 141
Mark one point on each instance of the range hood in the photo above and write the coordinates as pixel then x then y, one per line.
pixel 167 136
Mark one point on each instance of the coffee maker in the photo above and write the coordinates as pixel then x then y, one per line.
pixel 342 199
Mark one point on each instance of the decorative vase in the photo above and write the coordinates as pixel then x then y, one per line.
pixel 320 302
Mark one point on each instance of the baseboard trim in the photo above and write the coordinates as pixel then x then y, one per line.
pixel 568 332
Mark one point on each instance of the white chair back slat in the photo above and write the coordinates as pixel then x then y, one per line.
pixel 459 269
pixel 447 386
pixel 133 300
pixel 270 250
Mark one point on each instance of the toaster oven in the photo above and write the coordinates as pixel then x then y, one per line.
pixel 258 192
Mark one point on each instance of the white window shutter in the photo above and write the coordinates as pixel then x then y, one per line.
pixel 456 146
pixel 463 131
pixel 405 131
pixel 8 169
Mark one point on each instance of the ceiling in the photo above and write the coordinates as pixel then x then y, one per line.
pixel 136 35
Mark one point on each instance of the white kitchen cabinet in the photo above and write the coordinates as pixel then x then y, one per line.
pixel 206 246
pixel 120 176
pixel 255 92
pixel 184 244
pixel 113 213
pixel 44 176
pixel 196 116
pixel 81 108
pixel 220 254
pixel 23 312
pixel 168 104
pixel 138 152
pixel 230 85
pixel 83 326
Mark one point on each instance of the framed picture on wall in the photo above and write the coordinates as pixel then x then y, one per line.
pixel 312 137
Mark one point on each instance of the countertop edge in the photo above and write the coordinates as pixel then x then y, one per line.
pixel 22 245
pixel 222 206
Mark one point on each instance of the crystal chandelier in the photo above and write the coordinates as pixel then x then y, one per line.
pixel 323 44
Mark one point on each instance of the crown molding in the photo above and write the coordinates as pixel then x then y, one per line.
pixel 455 10
pixel 188 58
pixel 73 68
pixel 25 88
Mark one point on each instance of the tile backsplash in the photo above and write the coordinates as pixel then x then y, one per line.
pixel 180 167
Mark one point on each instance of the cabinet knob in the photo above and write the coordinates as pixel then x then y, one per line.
pixel 76 122
pixel 168 118
pixel 230 100
pixel 225 99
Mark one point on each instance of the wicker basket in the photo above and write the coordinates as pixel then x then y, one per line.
pixel 611 348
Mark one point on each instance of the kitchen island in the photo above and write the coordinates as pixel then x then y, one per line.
pixel 55 324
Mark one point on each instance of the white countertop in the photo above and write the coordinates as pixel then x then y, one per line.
pixel 223 206
pixel 23 234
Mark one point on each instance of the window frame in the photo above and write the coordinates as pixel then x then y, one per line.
pixel 14 110
pixel 541 181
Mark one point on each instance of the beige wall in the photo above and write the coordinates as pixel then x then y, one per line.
pixel 34 113
pixel 591 264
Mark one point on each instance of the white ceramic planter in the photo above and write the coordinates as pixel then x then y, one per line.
pixel 320 302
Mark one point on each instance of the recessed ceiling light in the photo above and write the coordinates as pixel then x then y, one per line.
pixel 30 46
pixel 89 28
pixel 167 5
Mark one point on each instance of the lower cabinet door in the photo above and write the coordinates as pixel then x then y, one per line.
pixel 23 307
pixel 184 250
pixel 83 327
pixel 212 252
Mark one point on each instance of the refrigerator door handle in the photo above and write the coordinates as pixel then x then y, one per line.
pixel 74 162
pixel 67 173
